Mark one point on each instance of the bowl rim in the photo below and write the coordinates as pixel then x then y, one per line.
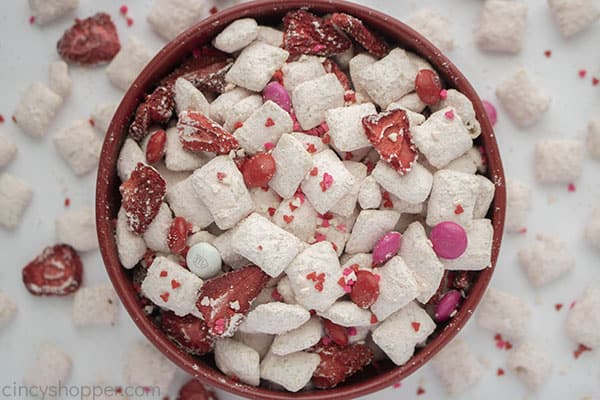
pixel 165 61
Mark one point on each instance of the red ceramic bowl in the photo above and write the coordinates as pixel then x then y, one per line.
pixel 108 198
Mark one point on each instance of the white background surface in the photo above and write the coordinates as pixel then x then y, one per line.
pixel 98 354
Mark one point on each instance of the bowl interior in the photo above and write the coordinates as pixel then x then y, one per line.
pixel 108 198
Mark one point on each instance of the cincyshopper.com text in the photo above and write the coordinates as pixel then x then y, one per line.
pixel 85 392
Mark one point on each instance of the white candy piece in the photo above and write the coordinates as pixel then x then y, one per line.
pixel 434 26
pixel 241 111
pixel 51 368
pixel 397 288
pixel 8 309
pixel 530 365
pixel 457 367
pixel 145 366
pixel 369 195
pixel 224 102
pixel 260 342
pixel 370 226
pixel 95 305
pixel 179 159
pixel 463 107
pixel 168 18
pixel 204 260
pixel 255 132
pixel 298 217
pixel 15 197
pixel 131 247
pixel 237 35
pixel 413 187
pixel 583 322
pixel 346 128
pixel 46 11
pixel 517 205
pixel 347 314
pixel 293 371
pixel 292 163
pixel 224 243
pixel 59 80
pixel 36 109
pixel 237 359
pixel 186 203
pixel 478 254
pixel 592 229
pixel 255 66
pixel 77 228
pixel 269 35
pixel 347 204
pixel 593 139
pixel 574 16
pixel 546 260
pixel 156 236
pixel 558 160
pixel 8 150
pixel 102 116
pixel 79 145
pixel 301 338
pixel 450 189
pixel 501 26
pixel 128 63
pixel 265 201
pixel 305 69
pixel 188 97
pixel 311 99
pixel 503 313
pixel 275 318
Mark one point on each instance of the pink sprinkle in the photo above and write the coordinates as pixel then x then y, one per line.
pixel 500 344
pixel 300 196
pixel 326 340
pixel 123 9
pixel 351 282
pixel 32 19
pixel 220 326
pixel 449 114
pixel 327 181
pixel 582 73
pixel 571 187
pixel 397 385
pixel 347 289
pixel 341 227
pixel 443 94
pixel 269 146
pixel 352 331
pixel 325 224
pixel 377 277
pixel 491 112
pixel 318 48
pixel 347 271
pixel 319 237
pixel 572 305
pixel 129 21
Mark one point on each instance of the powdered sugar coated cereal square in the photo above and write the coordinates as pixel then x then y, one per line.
pixel 311 99
pixel 51 367
pixel 79 145
pixel 546 260
pixel 234 358
pixel 413 187
pixel 574 16
pixel 398 287
pixel 347 314
pixel 59 80
pixel 95 305
pixel 185 202
pixel 305 69
pixel 179 159
pixel 8 309
pixel 130 155
pixel 275 318
pixel 312 144
pixel 500 312
pixel 592 229
pixel 593 139
pixel 292 371
pixel 345 126
pixel 168 18
pixel 434 26
pixel 8 150
pixel 517 205
pixel 264 126
pixel 77 228
pixel 269 35
pixel 145 366
pixel 297 216
pixel 485 196
pixel 224 102
pixel 369 195
pixel 237 35
pixel 46 11
pixel 347 204
pixel 463 107
pixel 583 322
pixel 128 63
pixel 501 26
pixel 102 115
pixel 451 189
pixel 241 111
pixel 224 243
pixel 414 118
pixel 477 256
pixel 355 65
pixel 260 342
pixel 457 367
pixel 412 102
pixel 188 97
pixel 370 226
pixel 15 196
pixel 36 109
pixel 255 66
pixel 265 201
pixel 558 160
pixel 530 365
pixel 470 163
pixel 284 288
pixel 158 231
pixel 131 247
pixel 292 162
pixel 301 338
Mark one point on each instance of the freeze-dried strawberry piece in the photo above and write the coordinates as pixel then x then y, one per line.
pixel 331 67
pixel 177 236
pixel 389 133
pixel 155 150
pixel 157 108
pixel 206 71
pixel 339 363
pixel 359 32
pixel 194 390
pixel 56 272
pixel 225 300
pixel 305 33
pixel 198 133
pixel 335 332
pixel 90 41
pixel 143 194
pixel 365 290
pixel 189 332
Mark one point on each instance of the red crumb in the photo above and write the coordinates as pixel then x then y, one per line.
pixel 269 122
pixel 523 230
pixel 497 337
pixel 221 176
pixel 548 53
pixel 271 211
pixel 276 295
pixel 350 96
pixel 14 119
pixel 420 391
pixel 163 274
pixel 327 182
pixel 373 319
pixel 459 209
pixel 278 76
pixel 129 21
pixel 595 81
pixel 32 20
pixel 314 171
pixel 348 156
pixel 91 121
pixel 118 390
pixel 67 202
pixel 288 218
pixel 580 350
pixel 319 237
pixel 123 9
pixel 260 247
pixel 558 306
pixel 1 119
pixel 582 73
pixel 165 296
pixel 311 148
pixel 416 326
pixel 269 146
pixel 213 10
pixel 572 305
pixel 571 188
pixel 326 139
pixel 500 372
pixel 397 385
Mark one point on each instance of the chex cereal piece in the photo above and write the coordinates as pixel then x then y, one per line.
pixel 168 18
pixel 558 160
pixel 478 254
pixel 463 107
pixel 546 260
pixel 583 322
pixel 172 287
pixel 51 368
pixel 517 205
pixel 15 196
pixel 265 244
pixel 237 35
pixel 443 137
pixel 593 139
pixel 592 230
pixel 501 26
pixel 574 16
pixel 301 338
pixel 434 26
pixel 224 243
pixel 234 358
pixel 363 260
pixel 297 216
pixel 257 132
pixel 241 111
pixel 347 314
pixel 370 226
pixel 185 202
pixel 331 182
pixel 269 35
pixel 222 104
pixel 355 65
pixel 59 80
pixel 77 228
pixel 260 342
pixel 292 371
pixel 8 309
pixel 413 187
pixel 305 69
pixel 199 237
pixel 530 365
pixel 46 11
pixel 345 126
pixel 266 202
pixel 131 247
pixel 388 79
pixel 314 276
pixel 312 144
pixel 158 230
pixel 220 186
pixel 79 145
pixel 128 63
pixel 8 150
pixel 188 97
pixel 398 286
pixel 414 118
pixel 102 115
pixel 95 305
pixel 292 163
pixel 417 252
pixel 457 367
pixel 275 318
pixel 369 195
pixel 284 288
pixel 469 163
pixel 485 196
pixel 503 313
pixel 255 66
pixel 337 231
pixel 347 204
pixel 179 159
pixel 397 335
pixel 146 367
pixel 412 102
pixel 525 101
pixel 311 99
pixel 402 206
pixel 36 110
pixel 130 155
pixel 451 189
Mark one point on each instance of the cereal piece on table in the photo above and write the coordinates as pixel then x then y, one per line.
pixel 356 64
pixel 530 365
pixel 241 111
pixel 414 119
pixel 501 26
pixel 524 100
pixel 79 145
pixel 469 163
pixel 36 110
pixel 179 159
pixel 292 162
pixel 260 342
pixel 224 243
pixel 370 226
pixel 77 228
pixel 369 195
pixel 266 202
pixel 51 368
pixel 417 252
pixel 583 322
pixel 397 288
pixel 301 338
pixel 146 367
pixel 102 116
pixel 347 204
pixel 130 155
pixel 478 254
pixel 485 196
pixel 172 287
pixel 593 139
pixel 95 305
pixel 220 186
pixel 237 35
pixel 168 18
pixel 8 150
pixel 312 144
pixel 188 97
pixel 311 99
pixel 305 69
pixel 546 260
pixel 517 206
pixel 457 367
pixel 46 11
pixel 412 102
pixel 314 276
pixel 296 216
pixel 503 313
pixel 234 358
pixel 574 16
pixel 8 309
pixel 292 371
pixel 346 128
pixel 59 80
pixel 347 314
pixel 131 247
pixel 186 203
pixel 463 107
pixel 434 26
pixel 269 35
pixel 558 160
pixel 225 102
pixel 275 318
pixel 592 230
pixel 264 126
pixel 128 63
pixel 451 189
pixel 397 335
pixel 255 66
pixel 413 187
pixel 15 197
pixel 158 230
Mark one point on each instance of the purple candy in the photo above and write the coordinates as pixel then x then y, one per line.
pixel 447 305
pixel 275 92
pixel 449 240
pixel 490 110
pixel 387 247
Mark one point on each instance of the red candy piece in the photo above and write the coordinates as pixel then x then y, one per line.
pixel 258 170
pixel 305 33
pixel 359 32
pixel 155 150
pixel 428 87
pixel 339 363
pixel 336 332
pixel 198 133
pixel 178 234
pixel 58 271
pixel 90 41
pixel 365 290
pixel 189 332
pixel 194 390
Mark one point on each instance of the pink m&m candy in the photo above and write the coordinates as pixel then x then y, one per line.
pixel 449 240
pixel 490 110
pixel 447 305
pixel 387 247
pixel 275 92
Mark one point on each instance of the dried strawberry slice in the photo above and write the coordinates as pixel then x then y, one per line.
pixel 199 133
pixel 389 133
pixel 194 390
pixel 226 299
pixel 90 41
pixel 359 32
pixel 189 332
pixel 143 194
pixel 305 33
pixel 56 272
pixel 339 363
